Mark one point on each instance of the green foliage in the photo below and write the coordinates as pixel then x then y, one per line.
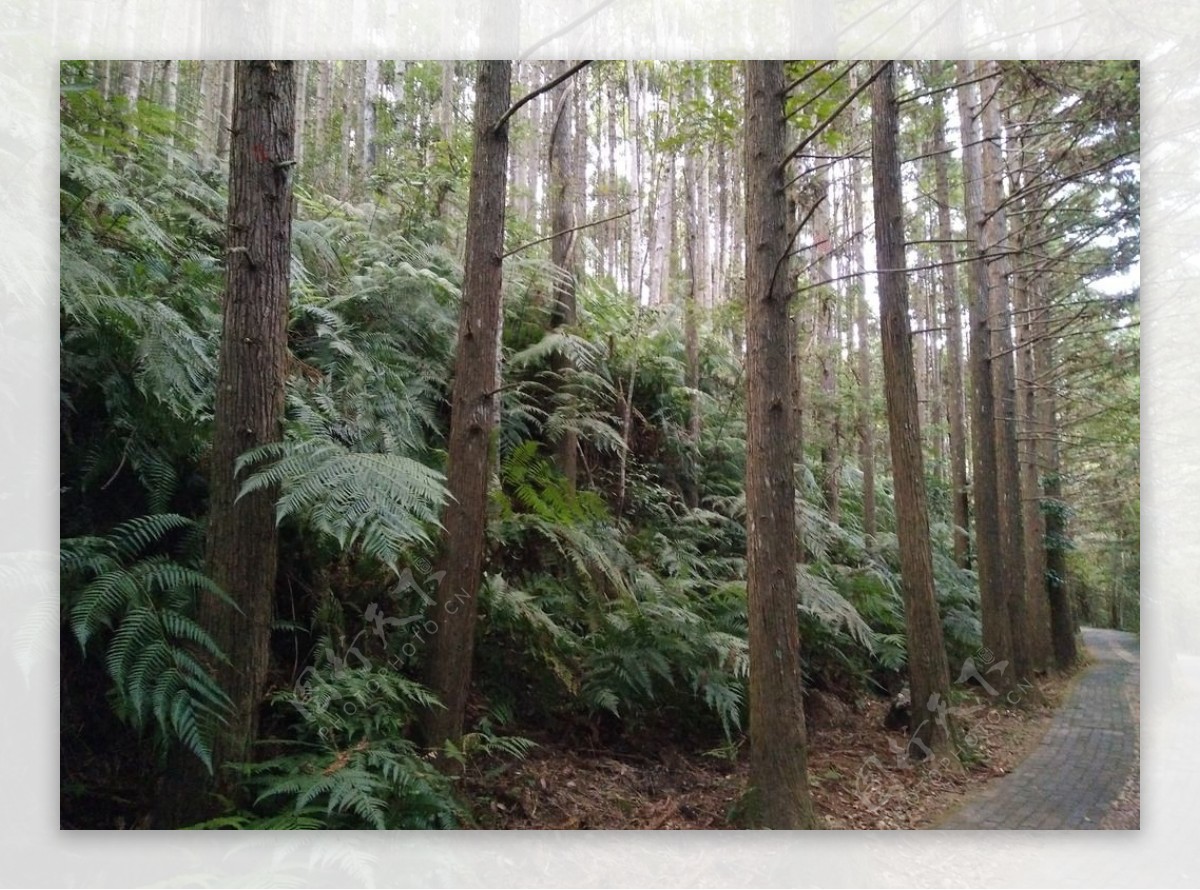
pixel 349 763
pixel 385 503
pixel 141 605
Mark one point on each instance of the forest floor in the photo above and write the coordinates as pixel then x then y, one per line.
pixel 858 773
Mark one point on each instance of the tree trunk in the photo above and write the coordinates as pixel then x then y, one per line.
pixel 1062 618
pixel 660 235
pixel 225 116
pixel 170 98
pixel 826 419
pixel 997 631
pixel 563 204
pixel 1008 479
pixel 241 541
pixel 779 794
pixel 302 69
pixel 474 414
pixel 369 113
pixel 633 133
pixel 1033 523
pixel 929 674
pixel 446 105
pixel 857 266
pixel 959 493
pixel 697 287
pixel 324 114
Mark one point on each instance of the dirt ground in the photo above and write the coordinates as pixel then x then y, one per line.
pixel 859 775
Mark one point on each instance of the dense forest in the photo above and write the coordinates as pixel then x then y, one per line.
pixel 423 419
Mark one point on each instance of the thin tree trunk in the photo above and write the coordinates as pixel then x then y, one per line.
pixel 828 421
pixel 660 235
pixel 446 105
pixel 106 79
pixel 474 414
pixel 369 114
pixel 866 424
pixel 131 88
pixel 321 129
pixel 225 117
pixel 634 133
pixel 302 69
pixel 1062 617
pixel 780 795
pixel 533 175
pixel 697 265
pixel 959 493
pixel 563 204
pixel 171 102
pixel 929 674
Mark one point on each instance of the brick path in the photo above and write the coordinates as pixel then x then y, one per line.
pixel 1085 758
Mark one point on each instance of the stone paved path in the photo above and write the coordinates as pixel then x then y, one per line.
pixel 1085 758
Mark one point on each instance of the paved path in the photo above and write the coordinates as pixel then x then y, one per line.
pixel 1088 753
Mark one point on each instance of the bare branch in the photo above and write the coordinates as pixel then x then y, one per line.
pixel 586 225
pixel 516 106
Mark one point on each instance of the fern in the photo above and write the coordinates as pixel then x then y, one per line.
pixel 381 502
pixel 155 650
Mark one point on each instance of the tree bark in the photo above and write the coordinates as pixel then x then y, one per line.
pixel 225 115
pixel 866 425
pixel 1008 478
pixel 474 414
pixel 829 353
pixel 369 114
pixel 563 204
pixel 302 69
pixel 997 631
pixel 959 492
pixel 929 674
pixel 242 544
pixel 1062 617
pixel 779 795
pixel 1033 523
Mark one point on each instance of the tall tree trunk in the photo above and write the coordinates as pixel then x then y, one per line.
pixel 106 79
pixel 446 104
pixel 170 99
pixel 828 422
pixel 1008 479
pixel 633 133
pixel 778 741
pixel 225 116
pixel 1039 630
pixel 324 115
pixel 959 493
pixel 533 174
pixel 1062 618
pixel 612 254
pixel 697 266
pixel 242 541
pixel 131 89
pixel 660 234
pixel 866 423
pixel 370 112
pixel 474 413
pixel 563 205
pixel 302 69
pixel 997 631
pixel 929 674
